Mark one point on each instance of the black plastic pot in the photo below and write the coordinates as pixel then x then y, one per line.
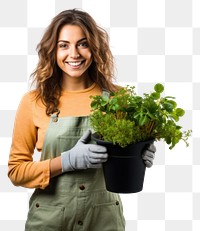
pixel 124 170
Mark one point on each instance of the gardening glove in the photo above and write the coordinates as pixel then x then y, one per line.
pixel 149 155
pixel 83 155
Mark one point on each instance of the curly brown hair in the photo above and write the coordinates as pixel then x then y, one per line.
pixel 48 76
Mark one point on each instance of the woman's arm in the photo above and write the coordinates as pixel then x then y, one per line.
pixel 22 170
pixel 55 167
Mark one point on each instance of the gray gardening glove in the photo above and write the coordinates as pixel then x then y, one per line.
pixel 84 155
pixel 149 155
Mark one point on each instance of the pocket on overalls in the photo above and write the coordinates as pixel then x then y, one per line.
pixel 108 212
pixel 42 217
pixel 67 142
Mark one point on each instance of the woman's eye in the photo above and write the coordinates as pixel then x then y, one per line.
pixel 63 45
pixel 83 45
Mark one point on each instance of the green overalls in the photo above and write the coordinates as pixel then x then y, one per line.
pixel 77 200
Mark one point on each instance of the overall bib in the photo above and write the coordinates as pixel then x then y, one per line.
pixel 77 200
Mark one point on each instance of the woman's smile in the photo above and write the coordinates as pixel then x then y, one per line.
pixel 75 64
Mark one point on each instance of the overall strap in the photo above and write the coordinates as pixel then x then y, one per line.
pixel 54 116
pixel 105 93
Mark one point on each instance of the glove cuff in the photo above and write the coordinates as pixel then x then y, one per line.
pixel 65 162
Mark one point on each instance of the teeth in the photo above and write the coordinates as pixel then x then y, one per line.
pixel 74 63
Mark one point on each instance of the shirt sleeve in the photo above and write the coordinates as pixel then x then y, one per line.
pixel 22 170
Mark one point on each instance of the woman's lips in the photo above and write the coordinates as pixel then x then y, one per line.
pixel 75 63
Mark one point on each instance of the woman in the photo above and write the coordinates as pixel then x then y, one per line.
pixel 75 62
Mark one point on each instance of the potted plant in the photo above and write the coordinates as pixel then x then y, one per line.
pixel 123 121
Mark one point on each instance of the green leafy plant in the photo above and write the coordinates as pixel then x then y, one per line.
pixel 123 117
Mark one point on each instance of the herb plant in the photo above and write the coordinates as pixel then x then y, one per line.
pixel 123 117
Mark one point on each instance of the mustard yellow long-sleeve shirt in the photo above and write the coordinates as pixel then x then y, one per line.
pixel 30 127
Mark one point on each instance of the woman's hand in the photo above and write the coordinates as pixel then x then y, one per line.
pixel 149 155
pixel 84 155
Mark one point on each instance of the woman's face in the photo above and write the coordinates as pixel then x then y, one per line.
pixel 73 54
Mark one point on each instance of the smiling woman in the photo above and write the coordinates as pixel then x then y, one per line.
pixel 75 62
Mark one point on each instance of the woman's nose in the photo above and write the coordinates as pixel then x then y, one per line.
pixel 74 52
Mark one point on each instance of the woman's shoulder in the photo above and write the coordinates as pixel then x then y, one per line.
pixel 31 104
pixel 117 87
pixel 30 97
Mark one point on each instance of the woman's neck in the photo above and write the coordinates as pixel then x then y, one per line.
pixel 76 84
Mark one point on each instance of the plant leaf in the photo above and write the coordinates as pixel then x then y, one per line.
pixel 155 95
pixel 159 88
pixel 168 107
pixel 180 112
